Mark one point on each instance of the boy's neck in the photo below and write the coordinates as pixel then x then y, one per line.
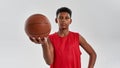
pixel 63 32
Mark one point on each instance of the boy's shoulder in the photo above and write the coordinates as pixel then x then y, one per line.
pixel 74 32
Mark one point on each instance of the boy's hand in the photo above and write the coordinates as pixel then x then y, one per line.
pixel 39 40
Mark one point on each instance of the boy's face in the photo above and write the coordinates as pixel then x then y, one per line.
pixel 63 20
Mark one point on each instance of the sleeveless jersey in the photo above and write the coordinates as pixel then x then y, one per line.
pixel 67 53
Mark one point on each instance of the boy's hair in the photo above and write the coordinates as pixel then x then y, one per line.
pixel 64 9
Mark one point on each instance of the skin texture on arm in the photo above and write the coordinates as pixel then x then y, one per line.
pixel 48 52
pixel 87 47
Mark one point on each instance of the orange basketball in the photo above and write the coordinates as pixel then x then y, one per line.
pixel 37 25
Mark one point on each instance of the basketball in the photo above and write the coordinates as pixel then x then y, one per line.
pixel 37 25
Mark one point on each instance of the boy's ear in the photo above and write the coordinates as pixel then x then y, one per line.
pixel 56 20
pixel 70 21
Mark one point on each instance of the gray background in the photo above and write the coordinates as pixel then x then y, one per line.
pixel 98 21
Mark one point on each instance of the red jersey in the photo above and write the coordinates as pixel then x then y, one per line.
pixel 66 51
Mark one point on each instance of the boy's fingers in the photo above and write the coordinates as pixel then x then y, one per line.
pixel 31 39
pixel 38 40
pixel 45 38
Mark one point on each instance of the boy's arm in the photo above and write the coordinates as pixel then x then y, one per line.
pixel 87 47
pixel 48 52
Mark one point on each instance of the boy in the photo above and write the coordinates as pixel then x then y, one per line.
pixel 61 49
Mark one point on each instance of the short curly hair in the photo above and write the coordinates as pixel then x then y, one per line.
pixel 64 9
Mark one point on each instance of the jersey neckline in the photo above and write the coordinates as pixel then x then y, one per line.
pixel 63 36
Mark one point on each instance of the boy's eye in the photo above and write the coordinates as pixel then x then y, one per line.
pixel 64 17
pixel 67 17
pixel 60 17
